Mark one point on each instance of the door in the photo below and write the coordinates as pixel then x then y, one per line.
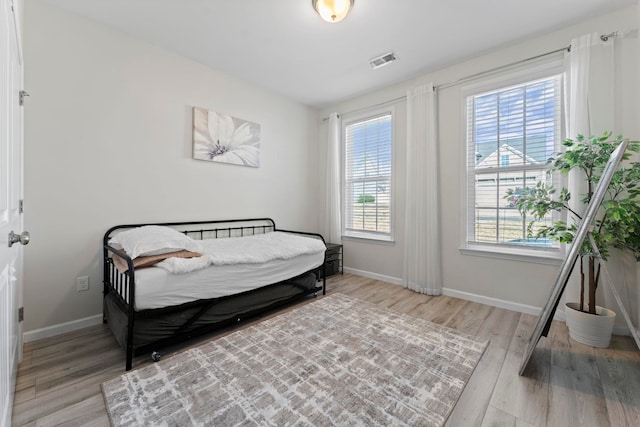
pixel 10 205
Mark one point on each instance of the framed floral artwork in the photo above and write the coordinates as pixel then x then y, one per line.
pixel 221 138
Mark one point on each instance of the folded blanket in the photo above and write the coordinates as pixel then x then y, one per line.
pixel 256 249
pixel 260 248
pixel 148 261
pixel 184 265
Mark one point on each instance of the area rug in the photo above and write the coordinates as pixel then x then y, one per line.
pixel 336 361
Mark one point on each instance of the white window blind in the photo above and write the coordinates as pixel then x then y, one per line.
pixel 511 132
pixel 367 177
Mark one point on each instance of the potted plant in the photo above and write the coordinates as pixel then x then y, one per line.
pixel 617 224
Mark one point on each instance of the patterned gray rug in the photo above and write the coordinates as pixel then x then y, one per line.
pixel 336 361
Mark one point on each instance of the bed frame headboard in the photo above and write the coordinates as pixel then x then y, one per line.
pixel 201 230
pixel 216 229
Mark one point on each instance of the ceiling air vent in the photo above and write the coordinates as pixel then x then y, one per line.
pixel 383 59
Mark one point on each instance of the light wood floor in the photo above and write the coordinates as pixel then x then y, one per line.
pixel 569 384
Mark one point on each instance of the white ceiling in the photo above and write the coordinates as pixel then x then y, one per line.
pixel 283 45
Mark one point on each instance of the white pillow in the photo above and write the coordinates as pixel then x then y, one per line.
pixel 152 240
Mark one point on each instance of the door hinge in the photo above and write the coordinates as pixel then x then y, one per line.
pixel 20 314
pixel 21 206
pixel 23 94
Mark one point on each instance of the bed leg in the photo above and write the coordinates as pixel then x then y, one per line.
pixel 324 278
pixel 129 358
pixel 130 342
pixel 104 303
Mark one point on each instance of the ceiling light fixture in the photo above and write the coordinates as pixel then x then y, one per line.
pixel 332 10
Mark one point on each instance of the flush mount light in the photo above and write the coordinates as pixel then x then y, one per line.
pixel 332 10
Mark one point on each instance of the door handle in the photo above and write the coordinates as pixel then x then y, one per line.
pixel 22 238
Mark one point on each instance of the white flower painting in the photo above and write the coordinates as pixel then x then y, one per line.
pixel 218 137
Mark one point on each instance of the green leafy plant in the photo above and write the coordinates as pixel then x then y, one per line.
pixel 366 198
pixel 617 224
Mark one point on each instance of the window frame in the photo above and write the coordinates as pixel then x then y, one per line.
pixel 505 80
pixel 347 120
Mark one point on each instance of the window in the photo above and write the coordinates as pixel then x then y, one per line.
pixel 367 192
pixel 511 132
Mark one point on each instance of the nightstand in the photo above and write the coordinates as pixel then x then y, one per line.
pixel 333 259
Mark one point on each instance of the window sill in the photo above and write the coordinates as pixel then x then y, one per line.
pixel 511 254
pixel 373 240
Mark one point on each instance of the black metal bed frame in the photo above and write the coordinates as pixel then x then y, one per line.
pixel 122 285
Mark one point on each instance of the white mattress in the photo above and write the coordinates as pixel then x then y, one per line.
pixel 157 288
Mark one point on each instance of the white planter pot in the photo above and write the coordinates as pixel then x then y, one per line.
pixel 590 329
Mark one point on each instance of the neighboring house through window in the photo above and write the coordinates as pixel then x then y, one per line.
pixel 367 171
pixel 512 129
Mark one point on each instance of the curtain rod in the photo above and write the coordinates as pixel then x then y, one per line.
pixel 368 107
pixel 604 38
pixel 500 68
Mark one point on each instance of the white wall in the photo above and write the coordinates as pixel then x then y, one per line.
pixel 516 282
pixel 108 141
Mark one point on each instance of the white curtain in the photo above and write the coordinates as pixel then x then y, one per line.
pixel 577 73
pixel 589 109
pixel 422 267
pixel 333 225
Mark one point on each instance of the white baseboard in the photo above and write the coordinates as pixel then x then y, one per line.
pixel 500 303
pixel 494 302
pixel 621 330
pixel 62 328
pixel 522 308
pixel 381 277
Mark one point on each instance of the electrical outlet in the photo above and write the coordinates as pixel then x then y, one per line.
pixel 82 283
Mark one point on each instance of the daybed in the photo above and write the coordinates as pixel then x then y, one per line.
pixel 161 290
